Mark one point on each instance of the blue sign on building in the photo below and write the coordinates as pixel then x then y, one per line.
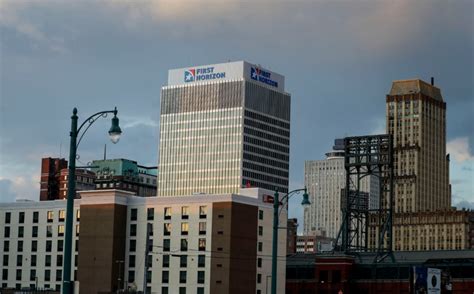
pixel 262 76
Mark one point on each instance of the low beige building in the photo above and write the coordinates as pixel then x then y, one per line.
pixel 439 230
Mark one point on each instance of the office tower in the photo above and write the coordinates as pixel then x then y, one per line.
pixel 325 180
pixel 223 127
pixel 416 117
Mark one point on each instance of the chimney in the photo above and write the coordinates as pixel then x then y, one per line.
pixel 432 81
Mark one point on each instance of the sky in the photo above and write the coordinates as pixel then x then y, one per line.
pixel 339 59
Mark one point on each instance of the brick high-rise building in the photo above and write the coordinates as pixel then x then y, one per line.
pixel 50 176
pixel 54 175
pixel 416 117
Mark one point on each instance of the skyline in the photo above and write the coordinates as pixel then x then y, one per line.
pixel 109 51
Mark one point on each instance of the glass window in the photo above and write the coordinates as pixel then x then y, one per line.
pixel 183 261
pixel 200 277
pixel 50 216
pixel 201 260
pixel 21 217
pixel 47 260
pixel 164 290
pixel 133 230
pixel 200 290
pixel 165 277
pixel 20 246
pixel 202 228
pixel 34 246
pixel 166 260
pixel 18 274
pixel 260 246
pixel 150 212
pixel 133 245
pixel 49 245
pixel 202 211
pixel 60 245
pixel 5 260
pixel 21 231
pixel 5 274
pixel 167 212
pixel 33 260
pixel 166 245
pixel 182 276
pixel 131 261
pixel 19 260
pixel 167 229
pixel 202 244
pixel 59 260
pixel 184 245
pixel 131 276
pixel 77 230
pixel 8 217
pixel 185 212
pixel 182 290
pixel 133 214
pixel 260 214
pixel 49 231
pixel 34 232
pixel 61 230
pixel 260 230
pixel 184 228
pixel 47 275
pixel 78 215
pixel 6 232
pixel 59 275
pixel 61 215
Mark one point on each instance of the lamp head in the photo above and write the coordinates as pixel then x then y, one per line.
pixel 115 130
pixel 305 201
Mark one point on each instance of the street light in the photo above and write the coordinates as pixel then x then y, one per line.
pixel 276 205
pixel 114 134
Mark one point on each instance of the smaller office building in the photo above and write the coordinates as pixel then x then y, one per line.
pixel 195 244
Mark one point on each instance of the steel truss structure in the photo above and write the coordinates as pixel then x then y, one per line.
pixel 366 156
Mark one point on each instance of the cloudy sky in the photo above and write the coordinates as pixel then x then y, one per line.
pixel 339 59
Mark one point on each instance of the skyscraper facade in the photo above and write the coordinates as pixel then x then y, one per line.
pixel 223 127
pixel 325 181
pixel 416 117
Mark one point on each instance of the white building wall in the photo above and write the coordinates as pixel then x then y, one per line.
pixel 27 279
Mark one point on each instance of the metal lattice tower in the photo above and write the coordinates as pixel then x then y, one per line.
pixel 366 156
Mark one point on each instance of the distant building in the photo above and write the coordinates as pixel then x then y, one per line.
pixel 423 218
pixel 122 174
pixel 325 179
pixel 292 232
pixel 314 243
pixel 125 174
pixel 223 127
pixel 84 181
pixel 54 179
pixel 416 118
pixel 440 230
pixel 209 244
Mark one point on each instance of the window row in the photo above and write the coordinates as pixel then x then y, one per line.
pixel 167 212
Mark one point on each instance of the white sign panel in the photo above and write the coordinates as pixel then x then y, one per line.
pixel 227 71
pixel 433 281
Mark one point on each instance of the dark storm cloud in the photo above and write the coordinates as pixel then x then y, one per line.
pixel 339 59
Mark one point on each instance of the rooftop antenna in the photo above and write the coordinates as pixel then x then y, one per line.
pixel 105 151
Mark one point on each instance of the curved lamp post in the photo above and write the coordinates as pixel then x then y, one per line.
pixel 276 214
pixel 114 134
